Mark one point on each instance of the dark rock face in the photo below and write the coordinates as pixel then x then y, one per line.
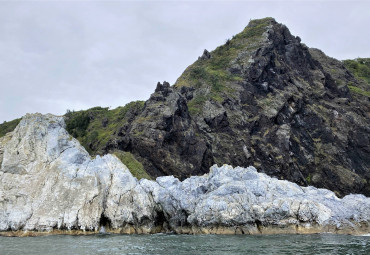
pixel 164 136
pixel 263 99
pixel 206 55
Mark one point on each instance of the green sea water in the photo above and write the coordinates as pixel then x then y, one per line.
pixel 186 244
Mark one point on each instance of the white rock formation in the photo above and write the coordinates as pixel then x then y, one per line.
pixel 48 182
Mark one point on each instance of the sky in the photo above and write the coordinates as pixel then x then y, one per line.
pixel 59 55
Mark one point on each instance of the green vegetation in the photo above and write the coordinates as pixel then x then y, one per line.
pixel 309 179
pixel 360 68
pixel 212 74
pixel 77 123
pixel 247 40
pixel 359 91
pixel 96 126
pixel 216 67
pixel 9 126
pixel 194 105
pixel 135 167
pixel 201 76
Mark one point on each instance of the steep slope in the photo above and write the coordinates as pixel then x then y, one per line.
pixel 360 67
pixel 263 99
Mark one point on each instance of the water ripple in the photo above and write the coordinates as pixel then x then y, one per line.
pixel 186 244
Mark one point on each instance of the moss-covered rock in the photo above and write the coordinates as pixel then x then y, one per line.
pixel 135 167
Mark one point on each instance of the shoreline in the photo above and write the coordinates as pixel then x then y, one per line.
pixel 360 229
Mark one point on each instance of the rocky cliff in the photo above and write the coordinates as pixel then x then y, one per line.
pixel 50 184
pixel 262 99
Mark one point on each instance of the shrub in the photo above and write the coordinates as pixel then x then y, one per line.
pixel 9 126
pixel 360 67
pixel 95 127
pixel 357 90
pixel 77 123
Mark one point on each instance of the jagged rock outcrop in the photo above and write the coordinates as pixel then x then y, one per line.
pixel 262 99
pixel 50 183
pixel 164 133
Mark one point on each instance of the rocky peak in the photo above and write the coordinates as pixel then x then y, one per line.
pixel 165 125
pixel 265 90
pixel 206 55
pixel 164 88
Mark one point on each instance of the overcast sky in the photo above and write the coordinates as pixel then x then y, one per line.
pixel 60 55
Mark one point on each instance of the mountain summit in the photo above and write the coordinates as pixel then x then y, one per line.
pixel 262 99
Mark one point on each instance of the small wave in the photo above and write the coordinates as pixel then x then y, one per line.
pixel 368 234
pixel 102 230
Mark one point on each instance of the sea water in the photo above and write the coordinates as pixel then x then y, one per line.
pixel 186 244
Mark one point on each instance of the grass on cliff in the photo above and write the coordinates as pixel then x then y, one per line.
pixel 212 74
pixel 360 68
pixel 8 126
pixel 96 126
pixel 135 167
pixel 358 90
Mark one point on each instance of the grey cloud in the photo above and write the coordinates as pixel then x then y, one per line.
pixel 75 55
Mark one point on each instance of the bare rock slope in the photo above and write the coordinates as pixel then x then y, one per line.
pixel 48 182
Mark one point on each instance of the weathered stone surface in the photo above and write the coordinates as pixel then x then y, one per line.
pixel 164 135
pixel 49 182
pixel 205 55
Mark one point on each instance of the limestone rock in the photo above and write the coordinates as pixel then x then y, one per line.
pixel 50 183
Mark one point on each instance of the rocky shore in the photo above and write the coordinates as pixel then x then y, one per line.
pixel 49 184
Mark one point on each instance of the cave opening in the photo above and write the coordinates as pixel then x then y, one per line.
pixel 104 221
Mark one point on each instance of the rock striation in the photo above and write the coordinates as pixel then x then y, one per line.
pixel 50 184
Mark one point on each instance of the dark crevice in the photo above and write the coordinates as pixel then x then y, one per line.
pixel 104 221
pixel 160 219
pixel 259 225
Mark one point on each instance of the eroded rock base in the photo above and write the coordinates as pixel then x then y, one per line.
pixel 355 229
